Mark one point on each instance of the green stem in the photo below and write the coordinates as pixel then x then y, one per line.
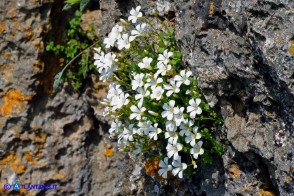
pixel 78 55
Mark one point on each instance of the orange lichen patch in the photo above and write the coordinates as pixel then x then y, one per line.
pixel 291 49
pixel 39 65
pixel 13 162
pixel 263 192
pixel 108 151
pixel 29 157
pixel 6 71
pixel 235 171
pixel 60 175
pixel 17 25
pixel 248 187
pixel 29 35
pixel 41 138
pixel 11 14
pixel 13 103
pixel 6 54
pixel 152 167
pixel 2 26
pixel 38 44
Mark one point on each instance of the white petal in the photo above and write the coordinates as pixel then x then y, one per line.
pixel 176 171
pixel 193 114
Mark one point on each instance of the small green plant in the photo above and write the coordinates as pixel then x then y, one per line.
pixel 157 106
pixel 69 3
pixel 75 52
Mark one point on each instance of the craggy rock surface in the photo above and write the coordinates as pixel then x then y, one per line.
pixel 241 53
pixel 46 137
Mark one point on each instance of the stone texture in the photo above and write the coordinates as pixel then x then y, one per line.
pixel 48 137
pixel 241 53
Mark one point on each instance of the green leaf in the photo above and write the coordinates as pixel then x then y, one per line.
pixel 170 30
pixel 72 1
pixel 83 4
pixel 66 7
pixel 57 80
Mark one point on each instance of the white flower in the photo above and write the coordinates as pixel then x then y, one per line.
pixel 164 58
pixel 137 81
pixel 172 137
pixel 162 69
pixel 173 150
pixel 127 134
pixel 137 111
pixel 154 132
pixel 105 64
pixel 116 127
pixel 99 55
pixel 139 30
pixel 109 41
pixel 135 14
pixel 146 63
pixel 186 128
pixel 153 83
pixel 197 150
pixel 144 127
pixel 194 107
pixel 157 93
pixel 142 92
pixel 118 102
pixel 193 136
pixel 124 42
pixel 116 32
pixel 170 126
pixel 114 90
pixel 179 167
pixel 172 88
pixel 169 110
pixel 183 77
pixel 179 117
pixel 165 167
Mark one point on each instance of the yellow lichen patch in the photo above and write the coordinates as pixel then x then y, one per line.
pixel 108 151
pixel 279 41
pixel 235 171
pixel 288 180
pixel 60 175
pixel 263 192
pixel 2 26
pixel 13 103
pixel 291 49
pixel 152 167
pixel 13 162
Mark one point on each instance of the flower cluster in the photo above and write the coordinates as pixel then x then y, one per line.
pixel 154 100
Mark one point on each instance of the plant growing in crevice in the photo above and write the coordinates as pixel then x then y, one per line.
pixel 157 106
pixel 75 53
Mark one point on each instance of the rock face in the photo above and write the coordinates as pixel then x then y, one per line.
pixel 46 137
pixel 239 50
pixel 242 53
